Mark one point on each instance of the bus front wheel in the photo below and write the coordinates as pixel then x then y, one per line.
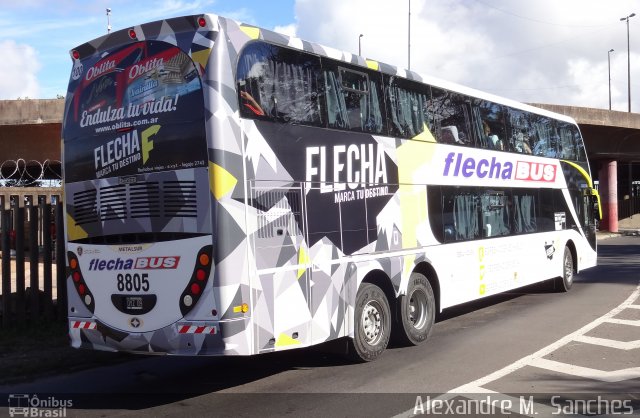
pixel 566 280
pixel 416 312
pixel 372 324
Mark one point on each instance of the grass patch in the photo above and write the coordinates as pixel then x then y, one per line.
pixel 43 350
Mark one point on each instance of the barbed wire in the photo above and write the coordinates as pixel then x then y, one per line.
pixel 31 173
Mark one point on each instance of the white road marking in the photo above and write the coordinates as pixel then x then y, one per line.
pixel 536 359
pixel 635 323
pixel 620 345
pixel 587 372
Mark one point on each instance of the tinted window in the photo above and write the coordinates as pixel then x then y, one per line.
pixel 451 117
pixel 353 98
pixel 520 132
pixel 523 208
pixel 495 214
pixel 489 118
pixel 134 109
pixel 570 146
pixel 544 136
pixel 467 213
pixel 407 105
pixel 279 84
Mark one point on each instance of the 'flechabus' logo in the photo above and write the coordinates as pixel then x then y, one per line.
pixel 456 164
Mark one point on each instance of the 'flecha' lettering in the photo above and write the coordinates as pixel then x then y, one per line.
pixel 116 150
pixel 353 166
pixel 456 164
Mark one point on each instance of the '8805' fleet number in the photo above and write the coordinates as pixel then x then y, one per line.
pixel 133 282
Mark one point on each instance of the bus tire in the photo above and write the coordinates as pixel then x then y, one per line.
pixel 416 312
pixel 372 324
pixel 566 280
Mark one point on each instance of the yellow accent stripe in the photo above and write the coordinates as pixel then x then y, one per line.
pixel 201 57
pixel 582 171
pixel 413 158
pixel 374 65
pixel 587 177
pixel 250 31
pixel 425 135
pixel 221 181
pixel 303 260
pixel 74 232
pixel 284 340
pixel 595 193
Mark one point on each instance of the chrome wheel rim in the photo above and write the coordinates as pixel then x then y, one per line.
pixel 418 309
pixel 372 322
pixel 568 268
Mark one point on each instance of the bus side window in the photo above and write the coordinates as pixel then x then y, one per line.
pixel 544 143
pixel 520 131
pixel 523 210
pixel 451 116
pixel 460 212
pixel 495 214
pixel 407 107
pixel 353 99
pixel 569 142
pixel 279 84
pixel 489 125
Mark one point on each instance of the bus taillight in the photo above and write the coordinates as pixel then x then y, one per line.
pixel 132 33
pixel 197 283
pixel 75 54
pixel 79 283
pixel 202 22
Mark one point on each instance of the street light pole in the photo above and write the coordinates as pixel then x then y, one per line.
pixel 609 60
pixel 628 59
pixel 108 20
pixel 409 39
pixel 360 45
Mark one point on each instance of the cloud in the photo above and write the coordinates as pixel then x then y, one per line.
pixel 543 51
pixel 18 67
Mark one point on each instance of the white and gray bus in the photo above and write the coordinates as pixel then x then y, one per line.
pixel 231 190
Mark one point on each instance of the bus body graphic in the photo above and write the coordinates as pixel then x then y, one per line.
pixel 266 193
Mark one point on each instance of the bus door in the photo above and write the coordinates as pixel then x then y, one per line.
pixel 281 299
pixel 592 214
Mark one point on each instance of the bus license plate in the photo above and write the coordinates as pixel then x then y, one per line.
pixel 134 302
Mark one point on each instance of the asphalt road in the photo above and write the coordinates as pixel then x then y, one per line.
pixel 534 342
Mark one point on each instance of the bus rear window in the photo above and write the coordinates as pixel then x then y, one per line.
pixel 134 109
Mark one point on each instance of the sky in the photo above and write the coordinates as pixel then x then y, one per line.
pixel 543 51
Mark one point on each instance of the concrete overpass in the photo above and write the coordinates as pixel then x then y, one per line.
pixel 30 136
pixel 612 139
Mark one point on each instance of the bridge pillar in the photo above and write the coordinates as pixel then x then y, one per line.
pixel 609 195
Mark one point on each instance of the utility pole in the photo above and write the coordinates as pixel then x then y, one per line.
pixel 409 39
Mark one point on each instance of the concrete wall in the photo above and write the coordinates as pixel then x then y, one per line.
pixel 23 112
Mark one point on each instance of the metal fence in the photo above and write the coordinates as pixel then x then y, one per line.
pixel 628 207
pixel 33 260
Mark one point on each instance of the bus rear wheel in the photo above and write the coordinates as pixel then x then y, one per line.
pixel 372 327
pixel 416 312
pixel 566 280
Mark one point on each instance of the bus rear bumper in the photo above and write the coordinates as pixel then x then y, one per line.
pixel 189 338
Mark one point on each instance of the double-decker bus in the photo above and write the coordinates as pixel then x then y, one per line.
pixel 231 190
